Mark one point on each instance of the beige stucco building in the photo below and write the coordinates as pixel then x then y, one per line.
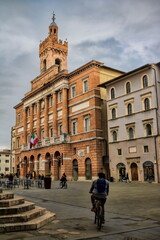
pixel 133 101
pixel 5 161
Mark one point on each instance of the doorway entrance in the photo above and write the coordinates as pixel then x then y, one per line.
pixel 134 172
pixel 121 171
pixel 148 169
pixel 75 169
pixel 88 169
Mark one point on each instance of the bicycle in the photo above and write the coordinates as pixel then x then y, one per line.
pixel 63 184
pixel 99 214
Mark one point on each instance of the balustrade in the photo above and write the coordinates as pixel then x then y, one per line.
pixel 47 142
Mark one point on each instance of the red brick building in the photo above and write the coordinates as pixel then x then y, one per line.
pixel 67 112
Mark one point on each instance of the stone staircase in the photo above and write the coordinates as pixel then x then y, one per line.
pixel 16 214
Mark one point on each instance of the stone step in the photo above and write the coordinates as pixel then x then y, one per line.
pixel 6 195
pixel 30 225
pixel 26 206
pixel 23 217
pixel 11 202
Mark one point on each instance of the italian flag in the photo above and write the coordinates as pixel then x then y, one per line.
pixel 33 140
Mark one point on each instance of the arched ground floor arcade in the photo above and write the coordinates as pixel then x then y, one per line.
pixel 135 171
pixel 137 159
pixel 79 161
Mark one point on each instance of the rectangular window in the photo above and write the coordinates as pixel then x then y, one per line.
pixel 28 112
pixel 146 149
pixel 35 108
pixel 119 151
pixel 18 142
pixel 50 101
pixel 18 118
pixel 86 124
pixel 42 134
pixel 73 91
pixel 42 105
pixel 60 96
pixel 6 169
pixel 6 155
pixel 85 85
pixel 51 132
pixel 60 129
pixel 74 127
pixel 74 150
pixel 6 161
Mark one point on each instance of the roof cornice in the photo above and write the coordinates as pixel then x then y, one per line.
pixel 147 66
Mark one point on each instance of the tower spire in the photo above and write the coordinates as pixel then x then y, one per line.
pixel 52 51
pixel 53 20
pixel 54 17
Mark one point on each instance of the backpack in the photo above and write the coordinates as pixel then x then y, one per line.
pixel 101 185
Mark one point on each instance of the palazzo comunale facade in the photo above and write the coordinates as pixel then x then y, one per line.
pixel 67 111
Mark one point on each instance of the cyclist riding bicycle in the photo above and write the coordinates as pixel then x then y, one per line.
pixel 99 190
pixel 63 179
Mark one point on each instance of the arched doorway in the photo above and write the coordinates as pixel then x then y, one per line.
pixel 75 169
pixel 88 169
pixel 121 171
pixel 148 169
pixel 57 165
pixel 48 163
pixel 134 172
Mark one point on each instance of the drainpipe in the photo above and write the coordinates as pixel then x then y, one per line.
pixel 155 77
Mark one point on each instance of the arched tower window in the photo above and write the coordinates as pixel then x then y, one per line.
pixel 58 62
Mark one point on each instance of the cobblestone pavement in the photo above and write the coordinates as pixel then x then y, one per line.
pixel 132 213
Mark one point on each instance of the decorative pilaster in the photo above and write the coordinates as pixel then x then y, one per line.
pixel 46 128
pixel 25 125
pixel 65 111
pixel 55 114
pixel 31 119
pixel 38 120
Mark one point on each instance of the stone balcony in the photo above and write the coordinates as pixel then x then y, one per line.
pixel 64 138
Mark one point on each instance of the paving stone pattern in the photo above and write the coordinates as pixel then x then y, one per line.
pixel 131 213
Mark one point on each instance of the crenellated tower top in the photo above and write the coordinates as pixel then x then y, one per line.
pixel 53 52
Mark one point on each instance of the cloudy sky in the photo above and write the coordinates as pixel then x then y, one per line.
pixel 123 34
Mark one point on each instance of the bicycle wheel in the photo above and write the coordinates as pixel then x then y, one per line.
pixel 99 217
pixel 60 184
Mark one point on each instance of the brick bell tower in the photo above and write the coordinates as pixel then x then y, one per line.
pixel 53 52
